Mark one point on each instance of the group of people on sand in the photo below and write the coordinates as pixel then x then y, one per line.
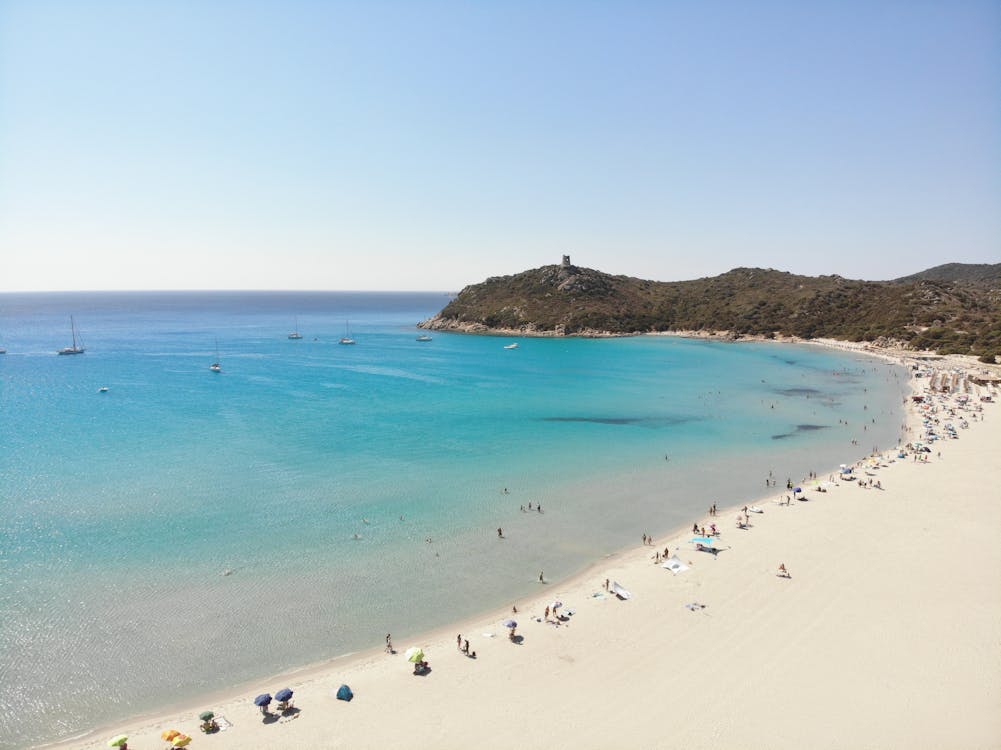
pixel 463 646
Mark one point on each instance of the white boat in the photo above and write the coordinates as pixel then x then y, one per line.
pixel 72 349
pixel 512 346
pixel 423 337
pixel 103 389
pixel 215 366
pixel 347 336
pixel 295 334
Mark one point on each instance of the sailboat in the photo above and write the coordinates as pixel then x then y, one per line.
pixel 347 336
pixel 72 349
pixel 295 334
pixel 215 366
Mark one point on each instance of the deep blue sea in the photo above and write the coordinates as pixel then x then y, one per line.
pixel 187 530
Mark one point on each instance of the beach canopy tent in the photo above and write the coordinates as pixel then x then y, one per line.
pixel 675 565
pixel 344 693
pixel 619 591
pixel 283 695
pixel 264 699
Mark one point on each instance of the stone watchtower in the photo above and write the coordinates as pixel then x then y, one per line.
pixel 566 261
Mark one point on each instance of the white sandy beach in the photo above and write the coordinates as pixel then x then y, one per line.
pixel 886 635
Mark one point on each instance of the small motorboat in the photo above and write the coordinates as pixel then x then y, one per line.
pixel 512 346
pixel 424 337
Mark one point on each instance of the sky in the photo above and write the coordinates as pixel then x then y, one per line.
pixel 411 145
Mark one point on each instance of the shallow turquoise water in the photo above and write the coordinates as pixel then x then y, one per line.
pixel 121 511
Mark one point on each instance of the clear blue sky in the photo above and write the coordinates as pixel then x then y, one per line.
pixel 426 145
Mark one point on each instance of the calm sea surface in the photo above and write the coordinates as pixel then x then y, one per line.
pixel 189 530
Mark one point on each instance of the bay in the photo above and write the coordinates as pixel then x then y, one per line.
pixel 188 530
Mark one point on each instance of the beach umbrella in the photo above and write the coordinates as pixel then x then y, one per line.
pixel 797 489
pixel 344 693
pixel 414 654
pixel 554 605
pixel 283 695
pixel 181 740
pixel 168 735
pixel 262 700
pixel 206 716
pixel 509 624
pixel 118 741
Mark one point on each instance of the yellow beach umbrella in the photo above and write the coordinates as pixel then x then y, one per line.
pixel 181 740
pixel 168 735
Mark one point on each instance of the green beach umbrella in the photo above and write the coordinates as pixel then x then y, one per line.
pixel 206 716
pixel 118 741
pixel 414 654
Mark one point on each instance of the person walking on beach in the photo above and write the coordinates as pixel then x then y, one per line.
pixel 389 644
pixel 458 641
pixel 540 577
pixel 500 533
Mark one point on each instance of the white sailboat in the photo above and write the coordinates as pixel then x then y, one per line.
pixel 295 334
pixel 347 336
pixel 72 349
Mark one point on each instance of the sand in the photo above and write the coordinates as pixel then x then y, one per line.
pixel 887 634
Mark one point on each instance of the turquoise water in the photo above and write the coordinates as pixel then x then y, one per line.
pixel 188 530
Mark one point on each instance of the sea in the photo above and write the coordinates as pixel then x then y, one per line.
pixel 167 531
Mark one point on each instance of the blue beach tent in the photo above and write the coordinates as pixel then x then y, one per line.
pixel 344 693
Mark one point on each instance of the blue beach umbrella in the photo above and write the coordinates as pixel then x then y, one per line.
pixel 797 489
pixel 264 699
pixel 283 695
pixel 509 624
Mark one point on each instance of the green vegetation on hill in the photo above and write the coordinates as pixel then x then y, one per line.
pixel 969 273
pixel 945 316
